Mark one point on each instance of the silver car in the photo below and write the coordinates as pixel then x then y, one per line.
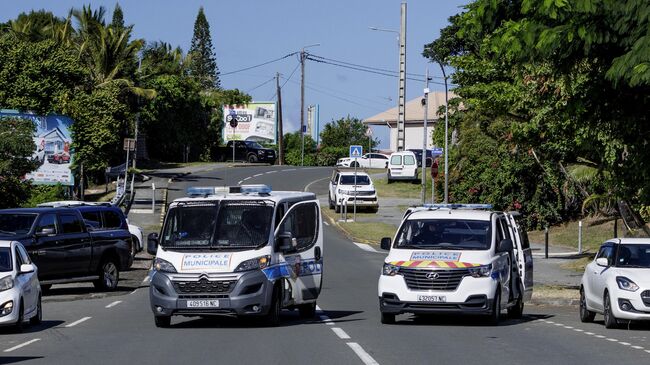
pixel 20 290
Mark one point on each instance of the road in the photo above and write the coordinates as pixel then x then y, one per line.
pixel 120 329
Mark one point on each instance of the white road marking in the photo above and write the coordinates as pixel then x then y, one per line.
pixel 612 340
pixel 256 175
pixel 363 355
pixel 239 182
pixel 366 247
pixel 339 332
pixel 568 327
pixel 637 347
pixel 625 343
pixel 313 182
pixel 77 322
pixel 22 345
pixel 589 333
pixel 246 178
pixel 114 304
pixel 327 224
pixel 271 172
pixel 578 330
pixel 599 336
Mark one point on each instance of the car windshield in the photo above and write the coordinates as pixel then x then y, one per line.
pixel 448 234
pixel 227 226
pixel 633 255
pixel 15 224
pixel 5 259
pixel 252 144
pixel 349 180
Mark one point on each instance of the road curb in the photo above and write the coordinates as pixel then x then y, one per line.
pixel 556 302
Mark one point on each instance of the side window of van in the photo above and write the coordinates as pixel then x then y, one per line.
pixel 409 160
pixel 396 160
pixel 499 232
pixel 302 222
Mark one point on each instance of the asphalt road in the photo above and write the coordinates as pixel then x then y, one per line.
pixel 120 329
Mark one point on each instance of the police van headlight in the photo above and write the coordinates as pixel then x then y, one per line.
pixel 481 271
pixel 6 283
pixel 390 270
pixel 626 284
pixel 163 266
pixel 257 263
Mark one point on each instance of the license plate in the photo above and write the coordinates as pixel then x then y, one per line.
pixel 202 304
pixel 432 298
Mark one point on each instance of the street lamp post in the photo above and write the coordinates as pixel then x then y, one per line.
pixel 303 57
pixel 444 75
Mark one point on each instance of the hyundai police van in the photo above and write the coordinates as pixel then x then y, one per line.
pixel 237 251
pixel 456 258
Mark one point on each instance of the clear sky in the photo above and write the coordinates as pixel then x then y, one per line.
pixel 250 32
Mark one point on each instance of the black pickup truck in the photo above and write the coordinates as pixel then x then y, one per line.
pixel 250 151
pixel 64 250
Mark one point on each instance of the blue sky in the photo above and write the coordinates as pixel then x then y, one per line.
pixel 250 32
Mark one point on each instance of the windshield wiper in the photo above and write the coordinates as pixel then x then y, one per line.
pixel 8 232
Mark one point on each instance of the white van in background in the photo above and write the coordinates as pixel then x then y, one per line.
pixel 402 166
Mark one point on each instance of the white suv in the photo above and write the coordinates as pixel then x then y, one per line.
pixel 20 290
pixel 617 283
pixel 346 187
pixel 456 258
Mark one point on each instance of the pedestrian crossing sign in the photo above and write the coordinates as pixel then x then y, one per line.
pixel 356 151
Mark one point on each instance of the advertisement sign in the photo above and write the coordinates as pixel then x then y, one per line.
pixel 53 147
pixel 255 121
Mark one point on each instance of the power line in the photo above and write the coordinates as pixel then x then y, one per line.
pixel 260 65
pixel 260 85
pixel 285 82
pixel 337 97
pixel 372 68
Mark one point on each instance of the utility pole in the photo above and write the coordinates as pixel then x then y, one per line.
pixel 280 131
pixel 444 75
pixel 401 110
pixel 425 104
pixel 302 106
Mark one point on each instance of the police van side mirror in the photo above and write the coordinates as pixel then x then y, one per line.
pixel 284 242
pixel 385 243
pixel 152 243
pixel 505 245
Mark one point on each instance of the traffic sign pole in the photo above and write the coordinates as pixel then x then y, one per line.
pixel 354 214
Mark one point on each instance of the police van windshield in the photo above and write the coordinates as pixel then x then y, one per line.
pixel 14 224
pixel 448 234
pixel 349 180
pixel 229 225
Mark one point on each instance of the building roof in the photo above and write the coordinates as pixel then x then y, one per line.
pixel 414 110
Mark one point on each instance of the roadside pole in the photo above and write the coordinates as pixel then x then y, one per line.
pixel 580 238
pixel 354 214
pixel 425 104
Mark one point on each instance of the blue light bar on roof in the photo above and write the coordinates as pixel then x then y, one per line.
pixel 459 206
pixel 195 191
pixel 256 189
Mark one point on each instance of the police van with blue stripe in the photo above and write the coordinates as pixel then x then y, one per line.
pixel 237 251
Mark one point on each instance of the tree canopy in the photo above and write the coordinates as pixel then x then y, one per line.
pixel 203 64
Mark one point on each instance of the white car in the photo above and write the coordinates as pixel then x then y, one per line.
pixel 20 290
pixel 617 283
pixel 346 187
pixel 455 258
pixel 367 161
pixel 402 166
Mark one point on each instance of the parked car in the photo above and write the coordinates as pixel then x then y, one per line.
pixel 346 186
pixel 616 283
pixel 20 291
pixel 102 218
pixel 402 166
pixel 58 158
pixel 250 151
pixel 60 244
pixel 369 160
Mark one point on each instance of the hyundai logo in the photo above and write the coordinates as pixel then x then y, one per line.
pixel 432 275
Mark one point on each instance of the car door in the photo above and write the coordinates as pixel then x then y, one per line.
pixel 44 249
pixel 240 150
pixel 502 265
pixel 523 254
pixel 305 260
pixel 598 275
pixel 410 166
pixel 27 281
pixel 333 185
pixel 395 166
pixel 74 241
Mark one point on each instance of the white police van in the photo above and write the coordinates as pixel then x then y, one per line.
pixel 456 258
pixel 237 251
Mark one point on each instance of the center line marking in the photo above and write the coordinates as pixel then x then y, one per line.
pixel 246 178
pixel 258 175
pixel 327 224
pixel 339 332
pixel 363 355
pixel 114 304
pixel 22 345
pixel 77 322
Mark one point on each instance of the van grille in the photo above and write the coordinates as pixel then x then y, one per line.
pixel 203 286
pixel 416 279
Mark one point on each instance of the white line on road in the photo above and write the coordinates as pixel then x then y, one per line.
pixel 327 224
pixel 637 347
pixel 612 340
pixel 313 182
pixel 271 172
pixel 339 332
pixel 22 345
pixel 239 182
pixel 246 178
pixel 77 322
pixel 589 333
pixel 625 343
pixel 363 355
pixel 114 304
pixel 366 247
pixel 256 175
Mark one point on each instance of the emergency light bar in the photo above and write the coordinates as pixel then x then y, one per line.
pixel 256 189
pixel 196 191
pixel 458 206
pixel 205 191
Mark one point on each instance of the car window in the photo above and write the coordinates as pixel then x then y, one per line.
pixel 92 218
pixel 350 180
pixel 449 234
pixel 112 220
pixel 396 160
pixel 5 259
pixel 47 221
pixel 302 222
pixel 70 223
pixel 23 254
pixel 409 160
pixel 606 251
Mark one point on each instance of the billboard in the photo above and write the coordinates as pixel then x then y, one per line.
pixel 256 121
pixel 53 147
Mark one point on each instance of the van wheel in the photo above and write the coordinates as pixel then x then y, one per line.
pixel 388 179
pixel 162 321
pixel 610 320
pixel 307 310
pixel 46 287
pixel 586 315
pixel 337 208
pixel 252 158
pixel 495 316
pixel 516 311
pixel 330 201
pixel 38 318
pixel 387 318
pixel 109 276
pixel 273 317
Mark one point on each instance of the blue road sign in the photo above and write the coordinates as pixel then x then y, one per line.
pixel 436 151
pixel 356 151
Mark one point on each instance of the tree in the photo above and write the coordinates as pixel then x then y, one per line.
pixel 16 149
pixel 345 132
pixel 117 22
pixel 203 62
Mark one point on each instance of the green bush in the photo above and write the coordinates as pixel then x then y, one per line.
pixel 327 156
pixel 45 193
pixel 293 158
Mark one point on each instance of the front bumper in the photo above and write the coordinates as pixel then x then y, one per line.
pixel 475 304
pixel 251 291
pixel 362 201
pixel 11 295
pixel 639 311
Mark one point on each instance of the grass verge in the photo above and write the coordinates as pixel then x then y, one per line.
pixel 549 291
pixel 593 234
pixel 362 232
pixel 400 189
pixel 578 265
